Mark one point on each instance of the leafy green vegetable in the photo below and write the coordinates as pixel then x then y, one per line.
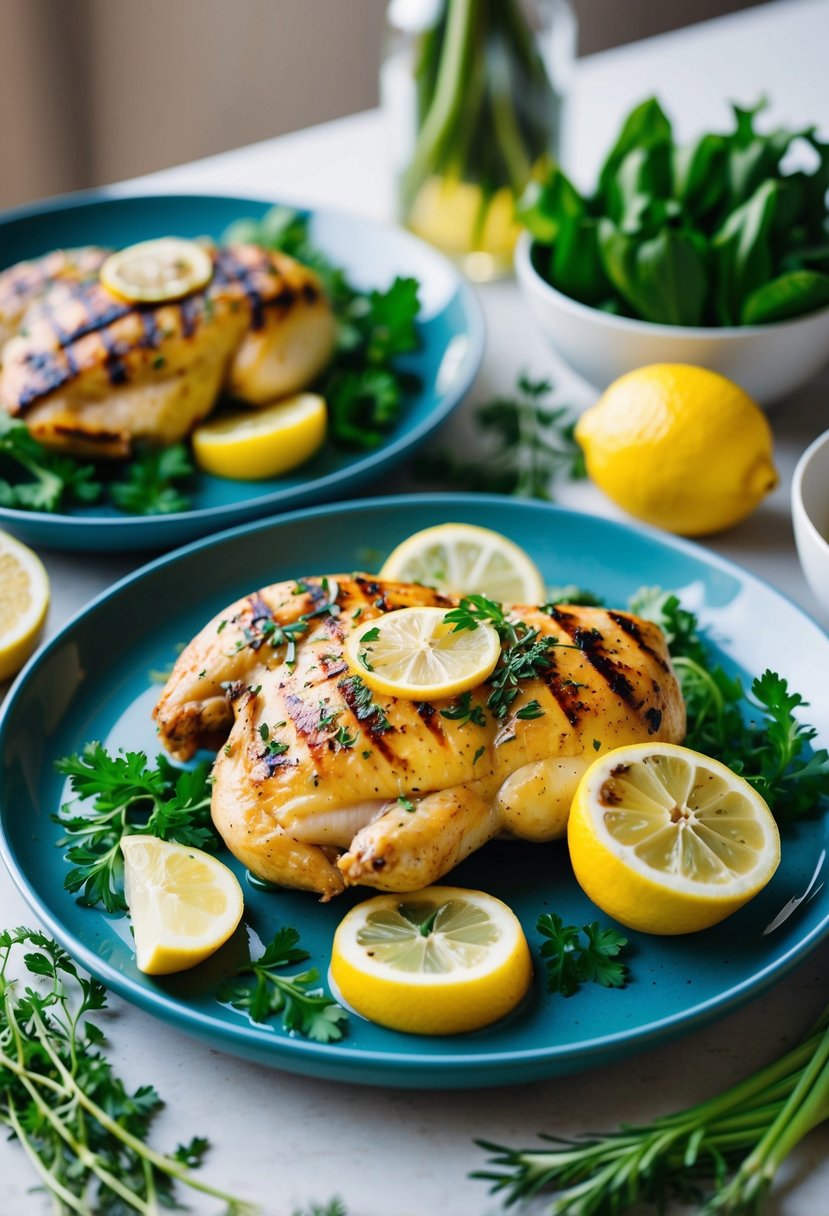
pixel 363 386
pixel 574 956
pixel 148 486
pixel 83 1131
pixel 716 232
pixel 756 734
pixel 530 443
pixel 50 480
pixel 123 794
pixel 746 1131
pixel 305 1009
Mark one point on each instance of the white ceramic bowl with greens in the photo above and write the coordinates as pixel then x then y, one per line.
pixel 769 361
pixel 810 516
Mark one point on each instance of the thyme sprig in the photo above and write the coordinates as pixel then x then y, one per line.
pixel 81 1129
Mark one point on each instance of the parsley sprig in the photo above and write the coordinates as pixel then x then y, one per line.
pixel 122 794
pixel 757 734
pixel 525 654
pixel 33 478
pixel 364 386
pixel 149 482
pixel 574 956
pixel 81 1128
pixel 528 442
pixel 304 1007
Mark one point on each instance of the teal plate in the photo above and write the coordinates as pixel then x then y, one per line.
pixel 91 682
pixel 450 324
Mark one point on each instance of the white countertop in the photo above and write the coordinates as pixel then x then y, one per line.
pixel 283 1140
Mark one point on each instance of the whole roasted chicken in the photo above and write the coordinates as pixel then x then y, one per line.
pixel 320 783
pixel 91 373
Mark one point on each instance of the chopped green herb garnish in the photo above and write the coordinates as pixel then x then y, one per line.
pixel 576 956
pixel 465 711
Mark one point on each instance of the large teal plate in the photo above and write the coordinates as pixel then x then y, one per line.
pixel 451 327
pixel 91 682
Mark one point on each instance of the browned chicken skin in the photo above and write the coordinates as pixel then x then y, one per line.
pixel 91 373
pixel 321 783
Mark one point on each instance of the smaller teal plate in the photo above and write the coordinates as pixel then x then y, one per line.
pixel 92 682
pixel 451 328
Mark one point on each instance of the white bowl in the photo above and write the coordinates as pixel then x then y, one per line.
pixel 769 361
pixel 810 515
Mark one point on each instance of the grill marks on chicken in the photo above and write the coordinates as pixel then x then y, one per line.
pixel 92 373
pixel 321 783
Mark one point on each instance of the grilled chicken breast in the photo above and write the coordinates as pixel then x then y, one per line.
pixel 26 282
pixel 321 783
pixel 92 374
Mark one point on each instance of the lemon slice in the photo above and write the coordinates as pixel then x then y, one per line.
pixel 439 961
pixel 252 444
pixel 24 600
pixel 463 559
pixel 669 841
pixel 153 271
pixel 413 653
pixel 184 903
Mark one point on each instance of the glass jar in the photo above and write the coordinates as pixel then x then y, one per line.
pixel 474 93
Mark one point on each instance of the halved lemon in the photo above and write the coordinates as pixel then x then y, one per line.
pixel 440 961
pixel 669 841
pixel 413 653
pixel 249 445
pixel 158 270
pixel 24 601
pixel 463 559
pixel 184 903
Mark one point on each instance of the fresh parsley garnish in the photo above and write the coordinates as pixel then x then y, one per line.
pixel 304 1007
pixel 363 386
pixel 123 794
pixel 464 710
pixel 364 707
pixel 574 956
pixel 528 444
pixel 80 1126
pixel 33 478
pixel 149 485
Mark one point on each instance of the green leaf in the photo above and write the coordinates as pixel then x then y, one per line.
pixel 545 205
pixel 789 295
pixel 575 262
pixel 699 177
pixel 663 279
pixel 742 252
pixel 642 177
pixel 148 483
pixel 646 126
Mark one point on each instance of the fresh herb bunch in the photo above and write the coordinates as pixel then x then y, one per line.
pixel 756 734
pixel 304 1007
pixel 33 478
pixel 82 1130
pixel 717 232
pixel 746 1132
pixel 122 795
pixel 525 652
pixel 574 956
pixel 528 442
pixel 363 386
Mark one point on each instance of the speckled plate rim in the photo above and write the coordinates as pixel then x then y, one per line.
pixel 323 487
pixel 495 1067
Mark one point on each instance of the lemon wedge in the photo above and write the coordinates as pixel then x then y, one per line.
pixel 24 601
pixel 184 903
pixel 669 841
pixel 440 961
pixel 413 653
pixel 154 271
pixel 464 559
pixel 253 444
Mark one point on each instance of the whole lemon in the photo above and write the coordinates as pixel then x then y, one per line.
pixel 679 447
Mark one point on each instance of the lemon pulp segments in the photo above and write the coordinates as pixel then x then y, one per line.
pixel 464 559
pixel 184 903
pixel 439 961
pixel 249 445
pixel 413 653
pixel 153 271
pixel 24 601
pixel 669 841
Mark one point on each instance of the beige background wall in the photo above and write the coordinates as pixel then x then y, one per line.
pixel 96 90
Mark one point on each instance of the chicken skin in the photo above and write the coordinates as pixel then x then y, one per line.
pixel 321 783
pixel 91 373
pixel 23 284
